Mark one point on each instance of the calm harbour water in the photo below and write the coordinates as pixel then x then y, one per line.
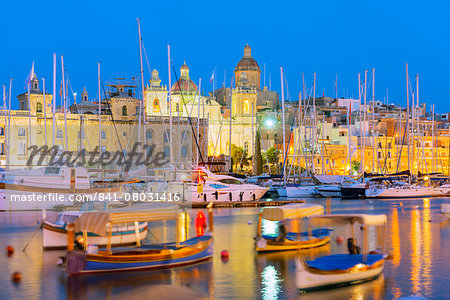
pixel 417 236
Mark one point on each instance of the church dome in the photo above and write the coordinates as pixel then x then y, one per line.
pixel 247 63
pixel 184 85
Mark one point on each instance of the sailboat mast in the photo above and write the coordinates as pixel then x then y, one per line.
pixel 407 115
pixel 64 101
pixel 323 143
pixel 299 130
pixel 29 114
pixel 349 147
pixel 53 100
pixel 361 165
pixel 45 112
pixel 170 107
pixel 314 128
pixel 198 118
pixel 282 122
pixel 141 102
pixel 4 112
pixel 373 122
pixel 432 139
pixel 99 108
pixel 365 118
pixel 231 119
pixel 9 125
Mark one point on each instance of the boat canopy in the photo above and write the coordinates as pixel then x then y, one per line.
pixel 96 221
pixel 291 211
pixel 342 219
pixel 330 179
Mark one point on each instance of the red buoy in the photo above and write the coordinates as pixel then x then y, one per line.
pixel 10 250
pixel 16 276
pixel 339 239
pixel 224 254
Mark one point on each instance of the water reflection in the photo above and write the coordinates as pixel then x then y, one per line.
pixel 420 258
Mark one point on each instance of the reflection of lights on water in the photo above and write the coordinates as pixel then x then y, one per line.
pixel 270 283
pixel 426 203
pixel 269 227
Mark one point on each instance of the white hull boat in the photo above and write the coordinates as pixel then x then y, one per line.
pixel 311 278
pixel 222 188
pixel 399 192
pixel 301 191
pixel 333 191
pixel 47 187
pixel 54 234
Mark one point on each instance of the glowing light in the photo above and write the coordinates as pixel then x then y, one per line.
pixel 269 123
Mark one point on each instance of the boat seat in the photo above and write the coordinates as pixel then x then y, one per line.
pixel 159 247
pixel 343 261
pixel 295 236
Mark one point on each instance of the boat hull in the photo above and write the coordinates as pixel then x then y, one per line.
pixel 353 192
pixel 399 193
pixel 301 191
pixel 54 237
pixel 264 245
pixel 159 259
pixel 334 192
pixel 308 280
pixel 227 194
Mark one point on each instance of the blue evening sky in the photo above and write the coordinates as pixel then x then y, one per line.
pixel 326 37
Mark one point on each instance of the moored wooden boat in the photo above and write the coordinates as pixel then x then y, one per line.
pixel 337 270
pixel 154 256
pixel 290 240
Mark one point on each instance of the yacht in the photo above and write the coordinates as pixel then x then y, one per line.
pixel 209 186
pixel 398 190
pixel 46 187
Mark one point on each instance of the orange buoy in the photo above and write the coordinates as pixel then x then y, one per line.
pixel 16 276
pixel 224 254
pixel 10 250
pixel 339 239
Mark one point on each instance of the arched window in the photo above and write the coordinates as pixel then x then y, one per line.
pixel 156 105
pixel 246 106
pixel 59 134
pixel 2 131
pixel 149 134
pixel 103 134
pixel 246 147
pixel 124 111
pixel 21 131
pixel 39 107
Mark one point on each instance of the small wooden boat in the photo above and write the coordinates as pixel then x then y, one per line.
pixel 343 269
pixel 54 234
pixel 291 240
pixel 178 253
pixel 445 210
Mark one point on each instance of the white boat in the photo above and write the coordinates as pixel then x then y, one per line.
pixel 399 191
pixel 342 269
pixel 443 190
pixel 301 191
pixel 46 187
pixel 54 234
pixel 445 210
pixel 297 240
pixel 217 187
pixel 329 191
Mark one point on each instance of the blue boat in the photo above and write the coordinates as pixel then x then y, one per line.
pixel 139 257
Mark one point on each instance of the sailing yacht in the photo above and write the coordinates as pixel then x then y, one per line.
pixel 217 187
pixel 43 188
pixel 398 189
